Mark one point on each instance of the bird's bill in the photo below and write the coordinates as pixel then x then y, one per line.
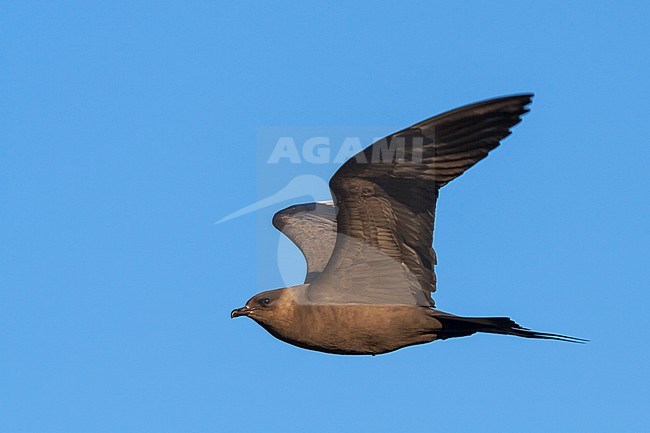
pixel 243 311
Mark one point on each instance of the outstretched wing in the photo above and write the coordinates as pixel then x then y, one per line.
pixel 312 227
pixel 386 199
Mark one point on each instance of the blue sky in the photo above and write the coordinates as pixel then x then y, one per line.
pixel 128 129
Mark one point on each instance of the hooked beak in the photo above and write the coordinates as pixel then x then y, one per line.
pixel 243 311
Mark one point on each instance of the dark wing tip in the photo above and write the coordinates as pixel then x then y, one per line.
pixel 278 221
pixel 323 211
pixel 281 217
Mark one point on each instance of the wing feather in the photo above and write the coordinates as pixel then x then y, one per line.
pixel 386 205
pixel 312 227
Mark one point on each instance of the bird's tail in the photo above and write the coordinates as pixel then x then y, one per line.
pixel 456 326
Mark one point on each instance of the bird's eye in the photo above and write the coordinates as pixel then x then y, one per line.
pixel 265 301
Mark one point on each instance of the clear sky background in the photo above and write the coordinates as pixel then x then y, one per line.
pixel 128 129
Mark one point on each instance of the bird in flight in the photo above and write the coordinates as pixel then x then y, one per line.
pixel 370 261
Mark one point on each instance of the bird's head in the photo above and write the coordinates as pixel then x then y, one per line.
pixel 267 307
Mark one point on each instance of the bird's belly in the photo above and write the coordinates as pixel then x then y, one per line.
pixel 359 329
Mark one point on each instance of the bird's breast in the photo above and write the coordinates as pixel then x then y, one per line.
pixel 355 328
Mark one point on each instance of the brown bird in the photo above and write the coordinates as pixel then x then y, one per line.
pixel 370 261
